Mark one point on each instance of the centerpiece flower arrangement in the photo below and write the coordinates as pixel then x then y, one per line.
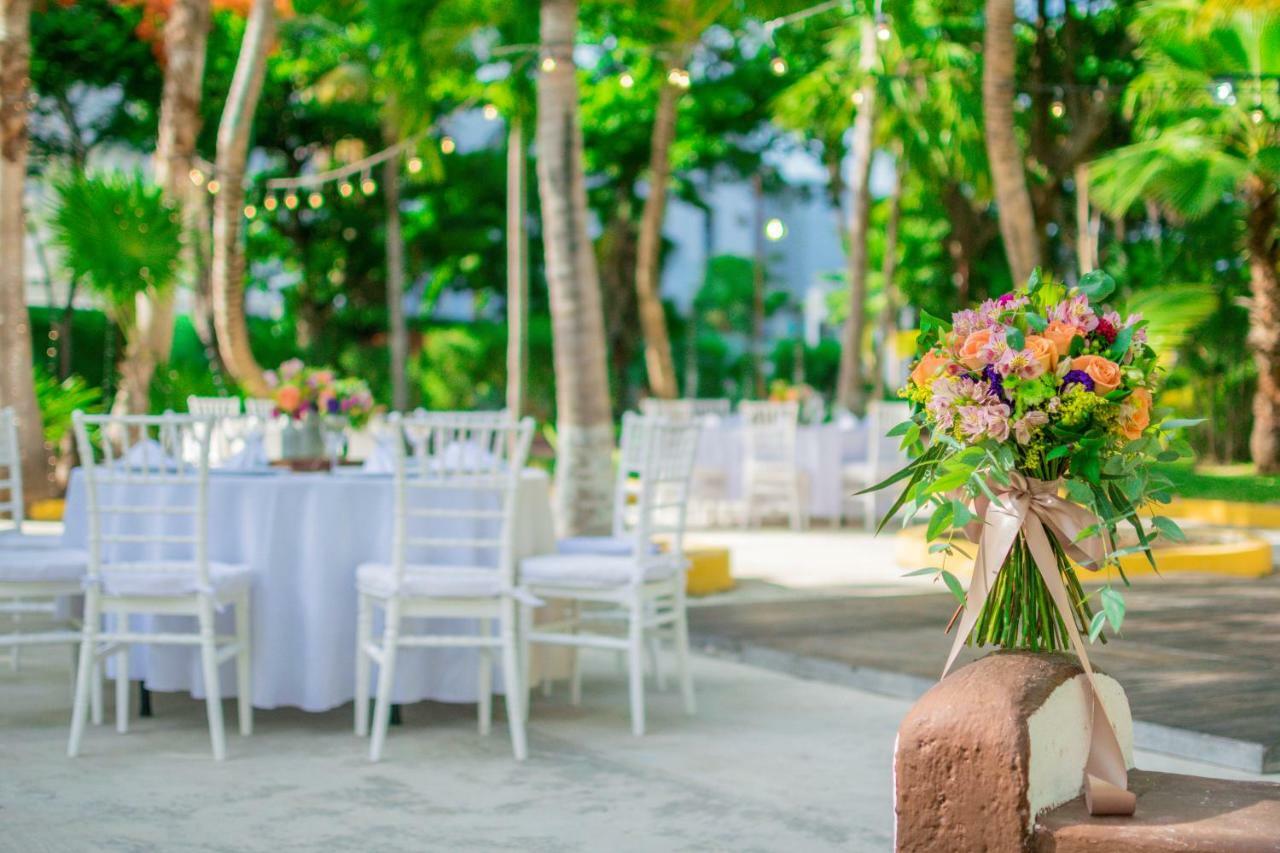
pixel 301 392
pixel 1032 434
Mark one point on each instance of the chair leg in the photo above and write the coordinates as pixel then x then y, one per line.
pixel 244 665
pixel 682 650
pixel 95 690
pixel 484 691
pixel 511 678
pixel 122 690
pixel 654 648
pixel 212 687
pixel 364 631
pixel 635 664
pixel 386 679
pixel 523 629
pixel 84 672
pixel 575 674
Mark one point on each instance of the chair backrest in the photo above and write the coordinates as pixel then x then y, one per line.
pixel 456 482
pixel 769 431
pixel 685 409
pixel 148 505
pixel 218 407
pixel 261 408
pixel 666 472
pixel 10 469
pixel 882 451
pixel 497 416
pixel 631 450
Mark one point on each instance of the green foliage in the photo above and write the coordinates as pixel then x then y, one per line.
pixel 59 399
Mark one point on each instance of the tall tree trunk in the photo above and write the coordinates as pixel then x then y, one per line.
pixel 517 269
pixel 888 268
pixel 584 423
pixel 185 34
pixel 1017 221
pixel 653 320
pixel 228 209
pixel 850 391
pixel 17 380
pixel 399 332
pixel 1264 323
pixel 1086 252
pixel 616 250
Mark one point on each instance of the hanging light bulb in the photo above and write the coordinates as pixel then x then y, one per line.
pixel 345 189
pixel 1058 108
pixel 1257 115
pixel 367 185
pixel 447 145
pixel 291 200
pixel 678 77
pixel 196 176
pixel 548 64
pixel 490 112
pixel 270 202
pixel 213 186
pixel 856 98
pixel 250 211
pixel 626 80
pixel 1224 91
pixel 415 165
pixel 777 65
pixel 775 229
pixel 883 31
pixel 314 200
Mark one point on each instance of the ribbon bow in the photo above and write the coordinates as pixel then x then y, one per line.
pixel 1033 508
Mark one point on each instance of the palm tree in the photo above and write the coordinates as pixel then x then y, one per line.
pixel 1017 221
pixel 584 424
pixel 186 32
pixel 1208 127
pixel 228 209
pixel 17 384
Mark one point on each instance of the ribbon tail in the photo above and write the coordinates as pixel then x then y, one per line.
pixel 1106 778
pixel 1002 524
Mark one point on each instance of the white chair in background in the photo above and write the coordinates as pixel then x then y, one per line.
pixel 621 539
pixel 771 473
pixel 227 426
pixel 34 570
pixel 261 408
pixel 213 407
pixel 686 408
pixel 149 554
pixel 643 589
pixel 455 500
pixel 882 459
pixel 709 490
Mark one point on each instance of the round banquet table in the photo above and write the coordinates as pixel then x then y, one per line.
pixel 821 451
pixel 303 535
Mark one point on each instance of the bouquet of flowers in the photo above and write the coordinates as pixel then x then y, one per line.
pixel 1032 434
pixel 300 391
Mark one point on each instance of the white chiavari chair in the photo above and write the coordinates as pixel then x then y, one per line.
pixel 621 539
pixel 456 483
pixel 882 459
pixel 149 555
pixel 228 425
pixel 644 589
pixel 771 474
pixel 35 570
pixel 261 408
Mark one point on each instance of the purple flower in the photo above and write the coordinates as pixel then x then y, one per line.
pixel 996 381
pixel 1079 377
pixel 332 405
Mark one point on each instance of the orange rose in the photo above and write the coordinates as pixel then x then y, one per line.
pixel 971 351
pixel 288 399
pixel 929 366
pixel 1061 335
pixel 1139 409
pixel 1044 350
pixel 1104 372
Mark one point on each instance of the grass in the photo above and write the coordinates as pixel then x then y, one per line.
pixel 1222 482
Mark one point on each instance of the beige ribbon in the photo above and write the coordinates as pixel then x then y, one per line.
pixel 1033 508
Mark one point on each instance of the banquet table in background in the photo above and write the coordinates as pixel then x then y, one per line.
pixel 303 535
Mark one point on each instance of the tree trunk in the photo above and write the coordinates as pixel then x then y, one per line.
pixel 1264 323
pixel 1086 252
pixel 850 391
pixel 584 422
pixel 399 332
pixel 517 270
pixel 617 259
pixel 228 210
pixel 17 380
pixel 888 267
pixel 1017 222
pixel 653 320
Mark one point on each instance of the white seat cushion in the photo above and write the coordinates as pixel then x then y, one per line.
pixel 592 570
pixel 429 581
pixel 227 579
pixel 43 564
pixel 13 539
pixel 609 546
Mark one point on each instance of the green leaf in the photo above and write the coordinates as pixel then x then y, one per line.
pixel 1096 626
pixel 1182 423
pixel 1057 452
pixel 938 547
pixel 900 429
pixel 1015 338
pixel 1169 528
pixel 1034 280
pixel 1121 344
pixel 1113 607
pixel 1167 456
pixel 940 520
pixel 918 572
pixel 953 584
pixel 961 513
pixel 1097 285
pixel 1037 323
pixel 929 322
pixel 948 480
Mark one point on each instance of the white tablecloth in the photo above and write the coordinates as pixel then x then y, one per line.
pixel 303 535
pixel 821 451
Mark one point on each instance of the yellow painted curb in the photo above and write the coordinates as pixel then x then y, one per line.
pixel 1246 557
pixel 1224 513
pixel 708 571
pixel 47 510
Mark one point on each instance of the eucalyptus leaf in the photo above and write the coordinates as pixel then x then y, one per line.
pixel 953 584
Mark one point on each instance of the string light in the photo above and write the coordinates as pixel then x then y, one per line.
pixel 775 229
pixel 883 31
pixel 291 201
pixel 777 65
pixel 625 80
pixel 367 185
pixel 447 145
pixel 490 112
pixel 678 77
pixel 270 202
pixel 196 176
pixel 250 211
pixel 415 165
pixel 1257 115
pixel 1224 91
pixel 548 64
pixel 213 186
pixel 345 189
pixel 1058 109
pixel 856 98
pixel 315 200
